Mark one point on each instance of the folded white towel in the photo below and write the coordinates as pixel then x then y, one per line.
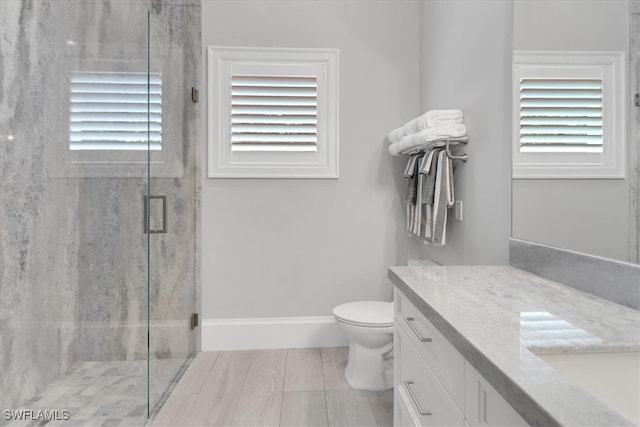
pixel 433 118
pixel 436 118
pixel 415 125
pixel 411 127
pixel 396 134
pixel 427 136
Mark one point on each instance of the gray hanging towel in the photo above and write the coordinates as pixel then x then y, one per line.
pixel 411 172
pixel 441 199
pixel 430 166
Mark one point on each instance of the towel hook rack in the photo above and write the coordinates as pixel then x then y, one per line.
pixel 447 150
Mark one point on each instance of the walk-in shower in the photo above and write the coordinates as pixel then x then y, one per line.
pixel 98 221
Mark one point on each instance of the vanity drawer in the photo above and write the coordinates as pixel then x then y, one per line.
pixel 426 400
pixel 402 415
pixel 445 361
pixel 483 404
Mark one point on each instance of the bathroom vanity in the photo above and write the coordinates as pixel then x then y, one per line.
pixel 498 346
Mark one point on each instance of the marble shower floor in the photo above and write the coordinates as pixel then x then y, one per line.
pixel 106 394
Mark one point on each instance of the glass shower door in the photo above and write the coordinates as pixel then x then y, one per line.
pixel 174 70
pixel 115 113
pixel 74 128
pixel 140 227
pixel 97 206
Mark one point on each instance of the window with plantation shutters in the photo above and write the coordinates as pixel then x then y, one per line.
pixel 561 115
pixel 273 113
pixel 115 111
pixel 568 115
pixel 122 112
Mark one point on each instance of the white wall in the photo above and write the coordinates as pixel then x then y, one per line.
pixel 583 215
pixel 466 64
pixel 298 247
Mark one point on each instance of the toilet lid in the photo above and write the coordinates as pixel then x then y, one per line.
pixel 365 313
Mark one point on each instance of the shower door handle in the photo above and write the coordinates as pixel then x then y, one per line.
pixel 155 214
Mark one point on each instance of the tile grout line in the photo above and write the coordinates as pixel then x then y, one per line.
pixel 286 367
pixel 324 387
pixel 199 393
pixel 372 409
pixel 244 382
pixel 209 372
pixel 284 378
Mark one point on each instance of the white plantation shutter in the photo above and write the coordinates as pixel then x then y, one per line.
pixel 274 113
pixel 568 115
pixel 115 111
pixel 561 115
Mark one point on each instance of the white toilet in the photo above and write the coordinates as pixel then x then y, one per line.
pixel 369 328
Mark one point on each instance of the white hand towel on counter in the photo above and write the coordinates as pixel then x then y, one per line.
pixel 427 136
pixel 432 118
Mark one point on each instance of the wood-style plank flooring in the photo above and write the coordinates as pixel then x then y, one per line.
pixel 290 387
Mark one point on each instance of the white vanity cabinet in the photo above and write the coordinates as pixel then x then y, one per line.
pixel 483 404
pixel 423 396
pixel 434 384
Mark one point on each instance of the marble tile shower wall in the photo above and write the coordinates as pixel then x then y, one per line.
pixel 73 261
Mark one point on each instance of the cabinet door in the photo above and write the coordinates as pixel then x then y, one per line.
pixel 426 399
pixel 483 404
pixel 444 360
pixel 402 416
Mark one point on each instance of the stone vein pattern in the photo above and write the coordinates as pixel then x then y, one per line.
pixel 73 263
pixel 480 309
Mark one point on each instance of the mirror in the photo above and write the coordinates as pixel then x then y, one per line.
pixel 597 216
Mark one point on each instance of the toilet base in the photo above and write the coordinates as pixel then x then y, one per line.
pixel 369 368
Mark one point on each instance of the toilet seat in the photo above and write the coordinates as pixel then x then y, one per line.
pixel 370 314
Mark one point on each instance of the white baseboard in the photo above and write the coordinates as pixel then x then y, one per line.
pixel 271 333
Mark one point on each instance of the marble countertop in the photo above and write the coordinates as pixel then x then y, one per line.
pixel 499 317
